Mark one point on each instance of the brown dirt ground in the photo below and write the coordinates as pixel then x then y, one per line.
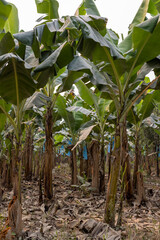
pixel 61 219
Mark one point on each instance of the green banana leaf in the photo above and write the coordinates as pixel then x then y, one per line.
pixel 5 10
pixel 15 79
pixel 38 99
pixel 6 107
pixel 87 7
pixel 154 7
pixel 67 116
pixel 48 7
pixel 140 15
pixel 7 44
pixel 12 23
pixel 29 38
pixel 51 65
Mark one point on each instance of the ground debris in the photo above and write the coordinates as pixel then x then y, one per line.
pixel 78 215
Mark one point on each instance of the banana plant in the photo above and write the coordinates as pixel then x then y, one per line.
pixel 119 72
pixel 116 70
pixel 73 122
pixel 137 116
pixel 98 110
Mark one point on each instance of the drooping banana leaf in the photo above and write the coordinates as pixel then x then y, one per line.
pixel 15 79
pixel 48 7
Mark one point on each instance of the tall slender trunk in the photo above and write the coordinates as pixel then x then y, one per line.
pixel 73 164
pixel 14 209
pixel 48 188
pixel 81 160
pixel 109 216
pixel 148 161
pixel 17 172
pixel 126 165
pixel 89 163
pixel 157 160
pixel 109 159
pixel 136 161
pixel 28 154
pixel 94 149
pixel 102 169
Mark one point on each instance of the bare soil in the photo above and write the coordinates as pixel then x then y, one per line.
pixel 65 216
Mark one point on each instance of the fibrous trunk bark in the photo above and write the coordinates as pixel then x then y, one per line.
pixel 147 161
pixel 136 161
pixel 109 159
pixel 88 164
pixel 102 169
pixel 157 160
pixel 14 209
pixel 95 153
pixel 28 154
pixel 48 189
pixel 140 189
pixel 15 216
pixel 109 216
pixel 81 161
pixel 73 164
pixel 126 165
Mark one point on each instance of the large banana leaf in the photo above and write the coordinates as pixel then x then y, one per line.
pixel 141 14
pixel 4 107
pixel 29 38
pixel 5 10
pixel 143 36
pixel 12 23
pixel 93 45
pixel 15 80
pixel 154 7
pixel 148 104
pixel 87 7
pixel 38 99
pixel 61 56
pixel 49 7
pixel 67 116
pixel 7 44
pixel 145 39
pixel 57 60
pixel 144 108
pixel 80 65
pixel 44 33
pixel 140 77
pixel 86 94
pixel 79 117
pixel 81 109
pixel 100 105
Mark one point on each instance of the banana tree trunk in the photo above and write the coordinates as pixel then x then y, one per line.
pixel 88 164
pixel 14 209
pixel 109 216
pixel 102 169
pixel 73 165
pixel 95 153
pixel 157 159
pixel 28 154
pixel 126 165
pixel 136 161
pixel 81 161
pixel 147 160
pixel 48 188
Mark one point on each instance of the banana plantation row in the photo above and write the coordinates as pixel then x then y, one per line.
pixel 67 86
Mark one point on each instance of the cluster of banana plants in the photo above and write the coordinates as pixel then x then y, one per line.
pixel 38 68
